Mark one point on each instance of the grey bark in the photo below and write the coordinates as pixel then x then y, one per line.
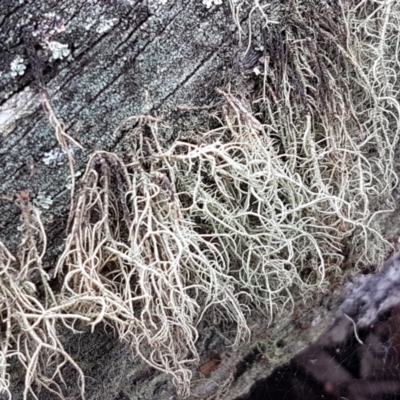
pixel 152 59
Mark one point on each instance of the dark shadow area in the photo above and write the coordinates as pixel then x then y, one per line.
pixel 357 357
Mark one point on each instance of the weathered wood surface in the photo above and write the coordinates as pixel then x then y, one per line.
pixel 126 58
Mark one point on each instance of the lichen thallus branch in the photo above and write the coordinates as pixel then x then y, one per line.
pixel 63 139
pixel 30 322
pixel 255 214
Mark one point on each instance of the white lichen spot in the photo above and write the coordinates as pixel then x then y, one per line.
pixel 210 3
pixel 55 157
pixel 102 24
pixel 58 50
pixel 105 24
pixel 43 201
pixel 50 15
pixel 89 23
pixel 17 66
pixel 207 3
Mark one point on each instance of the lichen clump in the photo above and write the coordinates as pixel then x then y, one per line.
pixel 259 211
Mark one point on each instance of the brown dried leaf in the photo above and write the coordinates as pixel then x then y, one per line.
pixel 210 366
